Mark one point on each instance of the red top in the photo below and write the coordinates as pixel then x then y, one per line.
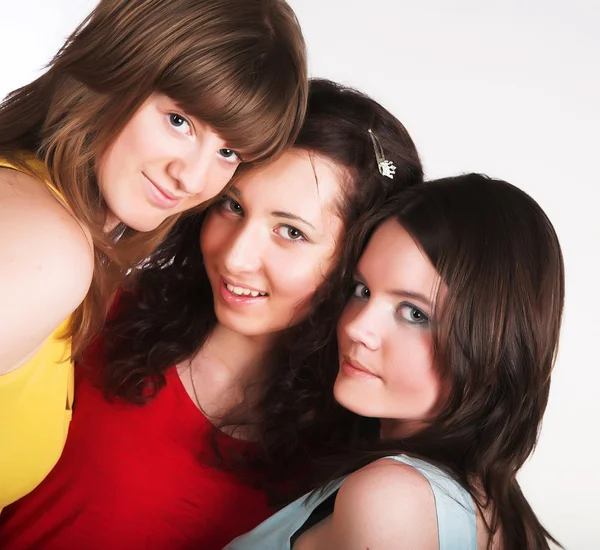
pixel 134 477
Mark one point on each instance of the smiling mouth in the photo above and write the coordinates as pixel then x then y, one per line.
pixel 162 194
pixel 354 368
pixel 241 291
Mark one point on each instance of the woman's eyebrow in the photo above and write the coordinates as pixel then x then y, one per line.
pixel 290 216
pixel 410 294
pixel 235 191
pixel 399 292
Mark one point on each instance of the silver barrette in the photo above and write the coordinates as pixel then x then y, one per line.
pixel 386 167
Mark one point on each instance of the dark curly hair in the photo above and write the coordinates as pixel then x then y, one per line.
pixel 169 315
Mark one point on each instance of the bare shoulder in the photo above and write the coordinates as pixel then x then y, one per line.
pixel 386 504
pixel 46 269
pixel 33 219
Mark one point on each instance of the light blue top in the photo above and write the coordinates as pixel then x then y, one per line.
pixel 454 508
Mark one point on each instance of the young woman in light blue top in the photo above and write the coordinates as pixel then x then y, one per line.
pixel 448 339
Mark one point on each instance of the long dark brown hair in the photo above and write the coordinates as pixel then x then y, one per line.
pixel 238 66
pixel 170 313
pixel 495 339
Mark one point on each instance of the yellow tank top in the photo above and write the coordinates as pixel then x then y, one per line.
pixel 35 405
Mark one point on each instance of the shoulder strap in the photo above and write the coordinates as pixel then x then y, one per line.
pixel 37 168
pixel 455 510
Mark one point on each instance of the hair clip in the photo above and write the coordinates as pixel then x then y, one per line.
pixel 386 167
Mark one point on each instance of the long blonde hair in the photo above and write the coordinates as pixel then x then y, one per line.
pixel 238 66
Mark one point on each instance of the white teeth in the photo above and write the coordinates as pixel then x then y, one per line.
pixel 239 291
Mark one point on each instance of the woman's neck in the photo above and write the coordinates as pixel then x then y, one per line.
pixel 239 355
pixel 224 370
pixel 392 428
pixel 110 222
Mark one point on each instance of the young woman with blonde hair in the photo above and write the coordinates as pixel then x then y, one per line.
pixel 145 112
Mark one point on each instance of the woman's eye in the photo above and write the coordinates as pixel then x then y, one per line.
pixel 291 233
pixel 230 156
pixel 179 123
pixel 413 315
pixel 229 205
pixel 361 291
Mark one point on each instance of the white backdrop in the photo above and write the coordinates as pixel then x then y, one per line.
pixel 510 88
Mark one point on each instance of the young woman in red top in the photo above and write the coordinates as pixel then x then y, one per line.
pixel 235 296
